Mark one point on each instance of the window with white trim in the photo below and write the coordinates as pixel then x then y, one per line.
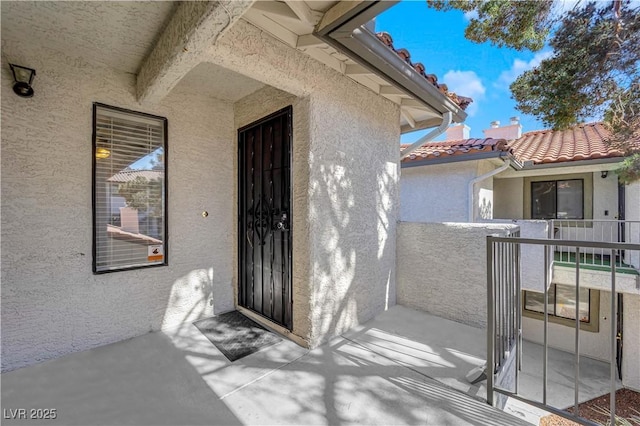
pixel 129 189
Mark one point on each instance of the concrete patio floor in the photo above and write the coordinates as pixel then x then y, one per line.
pixel 404 367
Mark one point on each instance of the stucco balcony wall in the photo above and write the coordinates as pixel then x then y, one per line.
pixel 442 268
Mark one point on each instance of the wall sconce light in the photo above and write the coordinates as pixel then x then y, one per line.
pixel 102 153
pixel 604 174
pixel 23 78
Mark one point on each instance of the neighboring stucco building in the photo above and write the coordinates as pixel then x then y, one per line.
pixel 491 178
pixel 529 179
pixel 200 71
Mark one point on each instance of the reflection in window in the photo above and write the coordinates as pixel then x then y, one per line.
pixel 561 302
pixel 559 199
pixel 129 189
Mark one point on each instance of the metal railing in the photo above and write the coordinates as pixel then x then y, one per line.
pixel 611 231
pixel 504 325
pixel 503 272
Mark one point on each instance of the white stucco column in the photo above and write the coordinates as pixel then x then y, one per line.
pixel 345 182
pixel 631 342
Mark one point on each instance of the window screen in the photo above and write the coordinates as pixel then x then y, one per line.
pixel 129 189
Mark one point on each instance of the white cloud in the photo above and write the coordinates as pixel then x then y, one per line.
pixel 466 83
pixel 519 66
pixel 472 14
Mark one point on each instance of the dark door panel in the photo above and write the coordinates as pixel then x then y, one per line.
pixel 264 206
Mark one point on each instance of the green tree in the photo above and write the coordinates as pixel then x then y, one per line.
pixel 592 72
pixel 143 194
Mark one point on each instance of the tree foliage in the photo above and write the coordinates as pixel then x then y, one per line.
pixel 505 23
pixel 143 194
pixel 594 70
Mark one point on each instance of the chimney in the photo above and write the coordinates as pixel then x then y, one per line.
pixel 509 132
pixel 458 132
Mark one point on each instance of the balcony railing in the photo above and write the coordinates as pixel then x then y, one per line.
pixel 610 231
pixel 505 315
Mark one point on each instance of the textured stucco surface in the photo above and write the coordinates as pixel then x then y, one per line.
pixel 345 185
pixel 52 304
pixel 631 342
pixel 184 40
pixel 605 196
pixel 632 212
pixel 483 193
pixel 507 199
pixel 625 283
pixel 82 28
pixel 532 256
pixel 437 193
pixel 442 269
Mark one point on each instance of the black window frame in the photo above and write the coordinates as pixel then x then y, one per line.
pixel 165 225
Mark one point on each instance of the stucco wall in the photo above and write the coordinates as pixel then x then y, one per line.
pixel 345 194
pixel 440 192
pixel 254 107
pixel 353 206
pixel 632 212
pixel 510 192
pixel 507 199
pixel 442 268
pixel 631 342
pixel 436 193
pixel 605 196
pixel 593 345
pixel 483 193
pixel 532 264
pixel 52 304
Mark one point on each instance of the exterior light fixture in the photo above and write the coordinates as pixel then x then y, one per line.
pixel 23 78
pixel 604 174
pixel 102 153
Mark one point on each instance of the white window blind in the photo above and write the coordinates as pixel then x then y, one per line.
pixel 129 189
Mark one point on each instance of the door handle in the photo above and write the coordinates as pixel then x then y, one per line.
pixel 282 222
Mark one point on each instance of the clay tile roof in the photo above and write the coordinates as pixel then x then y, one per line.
pixel 582 142
pixel 461 101
pixel 452 148
pixel 130 175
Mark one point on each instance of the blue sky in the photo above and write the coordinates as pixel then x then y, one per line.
pixel 479 71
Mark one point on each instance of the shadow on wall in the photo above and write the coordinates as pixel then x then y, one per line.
pixel 486 209
pixel 353 236
pixel 191 298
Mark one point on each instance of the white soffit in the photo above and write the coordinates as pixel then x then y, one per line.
pixel 295 27
pixel 118 34
pixel 205 78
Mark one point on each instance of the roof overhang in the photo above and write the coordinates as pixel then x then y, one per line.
pixel 598 161
pixel 458 158
pixel 581 166
pixel 344 28
pixel 519 169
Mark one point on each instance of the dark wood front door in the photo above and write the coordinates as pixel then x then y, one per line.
pixel 264 210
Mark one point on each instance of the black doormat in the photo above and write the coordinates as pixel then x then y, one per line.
pixel 235 335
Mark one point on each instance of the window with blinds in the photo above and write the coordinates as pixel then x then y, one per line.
pixel 129 189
